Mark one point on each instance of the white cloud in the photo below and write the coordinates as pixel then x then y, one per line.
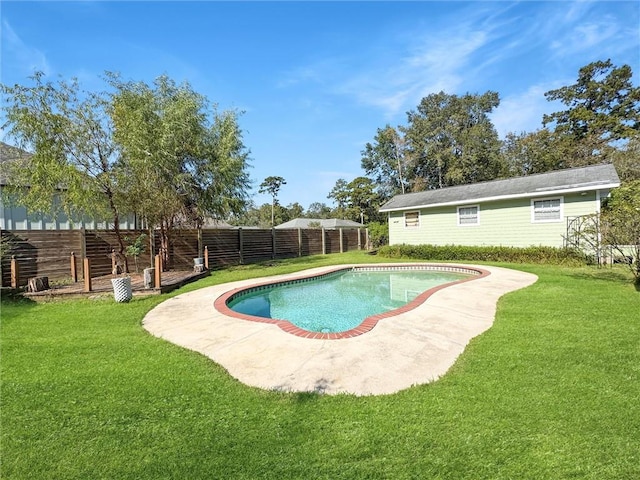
pixel 523 112
pixel 21 56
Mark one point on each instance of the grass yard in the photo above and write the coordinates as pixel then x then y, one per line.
pixel 551 391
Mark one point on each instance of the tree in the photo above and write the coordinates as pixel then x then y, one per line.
pixel 76 165
pixel 627 160
pixel 452 141
pixel 357 200
pixel 293 211
pixel 340 194
pixel 182 159
pixel 529 153
pixel 385 161
pixel 603 109
pixel 621 224
pixel 318 210
pixel 271 185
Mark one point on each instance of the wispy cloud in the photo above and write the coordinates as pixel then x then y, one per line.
pixel 523 112
pixel 429 64
pixel 602 36
pixel 20 56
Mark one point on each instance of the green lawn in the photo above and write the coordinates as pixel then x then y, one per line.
pixel 551 391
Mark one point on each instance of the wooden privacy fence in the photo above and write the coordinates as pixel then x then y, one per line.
pixel 60 254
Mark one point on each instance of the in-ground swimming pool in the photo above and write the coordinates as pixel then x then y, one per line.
pixel 340 301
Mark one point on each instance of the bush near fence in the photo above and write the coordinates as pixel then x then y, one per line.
pixel 48 253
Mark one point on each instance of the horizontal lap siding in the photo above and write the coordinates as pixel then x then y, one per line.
pixel 506 223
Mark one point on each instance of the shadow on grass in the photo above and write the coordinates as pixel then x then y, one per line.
pixel 616 275
pixel 13 302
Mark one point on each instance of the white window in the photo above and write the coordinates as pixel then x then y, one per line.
pixel 412 219
pixel 546 210
pixel 469 215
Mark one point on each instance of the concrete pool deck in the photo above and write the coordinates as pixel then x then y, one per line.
pixel 414 347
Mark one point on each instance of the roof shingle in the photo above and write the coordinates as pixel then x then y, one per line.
pixel 592 177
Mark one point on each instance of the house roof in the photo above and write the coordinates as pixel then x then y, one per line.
pixel 330 223
pixel 8 155
pixel 593 177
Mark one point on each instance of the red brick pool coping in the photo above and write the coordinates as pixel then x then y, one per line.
pixel 368 323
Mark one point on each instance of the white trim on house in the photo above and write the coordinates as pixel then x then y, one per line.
pixel 470 219
pixel 502 197
pixel 413 222
pixel 549 212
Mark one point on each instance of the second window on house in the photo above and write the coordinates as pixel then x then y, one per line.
pixel 469 215
pixel 546 210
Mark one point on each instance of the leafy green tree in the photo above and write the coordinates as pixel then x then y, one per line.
pixel 293 211
pixel 621 223
pixel 318 210
pixel 452 141
pixel 182 159
pixel 627 160
pixel 271 185
pixel 340 194
pixel 357 200
pixel 76 165
pixel 385 161
pixel 603 108
pixel 529 153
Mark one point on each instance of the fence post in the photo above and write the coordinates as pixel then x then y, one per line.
pixel 359 238
pixel 74 270
pixel 341 241
pixel 299 242
pixel 87 274
pixel 206 257
pixel 152 246
pixel 158 272
pixel 83 247
pixel 273 243
pixel 15 272
pixel 324 243
pixel 113 262
pixel 240 241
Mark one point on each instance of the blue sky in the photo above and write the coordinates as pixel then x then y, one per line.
pixel 315 80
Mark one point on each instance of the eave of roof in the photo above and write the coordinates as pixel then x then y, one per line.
pixel 593 177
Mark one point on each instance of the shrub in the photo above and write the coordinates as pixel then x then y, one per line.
pixel 378 234
pixel 546 255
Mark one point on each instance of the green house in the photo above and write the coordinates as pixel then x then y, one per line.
pixel 519 212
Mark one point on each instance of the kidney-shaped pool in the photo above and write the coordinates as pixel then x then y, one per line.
pixel 344 302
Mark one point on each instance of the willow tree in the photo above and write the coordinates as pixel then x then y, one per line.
pixel 184 161
pixel 75 162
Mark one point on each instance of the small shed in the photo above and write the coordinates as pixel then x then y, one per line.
pixel 534 210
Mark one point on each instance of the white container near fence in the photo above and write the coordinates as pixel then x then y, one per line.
pixel 122 289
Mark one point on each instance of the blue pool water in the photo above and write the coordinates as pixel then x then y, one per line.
pixel 340 301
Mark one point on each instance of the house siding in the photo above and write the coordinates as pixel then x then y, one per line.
pixel 502 223
pixel 14 217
